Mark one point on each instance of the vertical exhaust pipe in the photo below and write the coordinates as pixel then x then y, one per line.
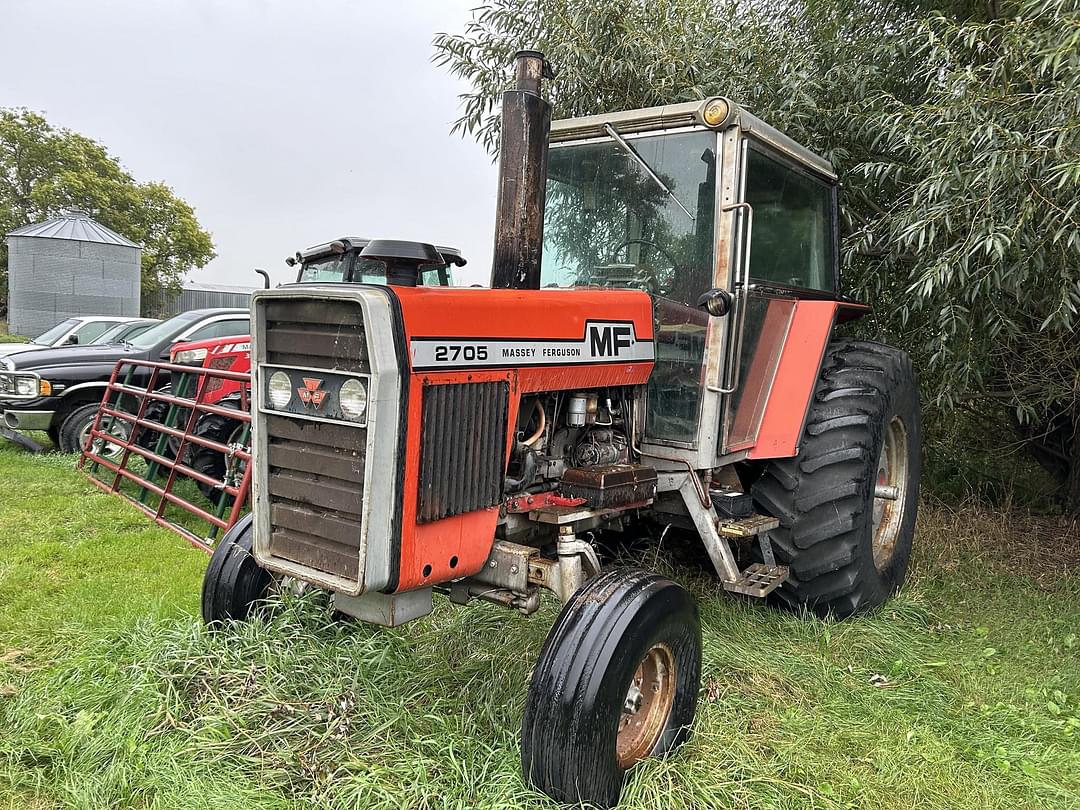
pixel 523 152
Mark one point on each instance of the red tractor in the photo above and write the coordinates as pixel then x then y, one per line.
pixel 225 354
pixel 656 350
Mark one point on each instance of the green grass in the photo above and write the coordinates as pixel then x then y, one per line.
pixel 963 693
pixel 6 338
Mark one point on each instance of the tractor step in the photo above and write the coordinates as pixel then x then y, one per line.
pixel 750 526
pixel 759 580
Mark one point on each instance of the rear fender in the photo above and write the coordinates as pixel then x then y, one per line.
pixel 797 372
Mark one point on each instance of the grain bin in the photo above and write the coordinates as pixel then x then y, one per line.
pixel 67 266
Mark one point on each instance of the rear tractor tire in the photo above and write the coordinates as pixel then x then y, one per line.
pixel 616 682
pixel 234 581
pixel 147 438
pixel 209 462
pixel 847 503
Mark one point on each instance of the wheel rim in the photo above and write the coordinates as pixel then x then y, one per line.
pixel 107 450
pixel 890 491
pixel 647 706
pixel 234 439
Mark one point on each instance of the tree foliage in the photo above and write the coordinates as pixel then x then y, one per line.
pixel 956 134
pixel 45 169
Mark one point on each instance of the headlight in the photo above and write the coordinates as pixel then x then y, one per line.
pixel 352 399
pixel 279 389
pixel 26 386
pixel 190 357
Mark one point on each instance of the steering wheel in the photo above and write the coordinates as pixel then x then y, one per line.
pixel 623 245
pixel 653 279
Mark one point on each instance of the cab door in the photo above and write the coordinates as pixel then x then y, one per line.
pixel 786 251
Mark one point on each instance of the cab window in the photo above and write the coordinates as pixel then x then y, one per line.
pixel 793 225
pixel 89 332
pixel 230 328
pixel 327 268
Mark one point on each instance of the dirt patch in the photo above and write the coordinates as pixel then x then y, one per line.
pixel 1044 548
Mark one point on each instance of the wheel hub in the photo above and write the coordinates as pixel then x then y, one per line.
pixel 890 492
pixel 107 450
pixel 646 707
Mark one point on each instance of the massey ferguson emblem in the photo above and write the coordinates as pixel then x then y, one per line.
pixel 609 340
pixel 312 394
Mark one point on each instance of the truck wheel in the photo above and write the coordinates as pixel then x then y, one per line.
pixel 617 681
pixel 75 431
pixel 847 503
pixel 233 581
pixel 157 411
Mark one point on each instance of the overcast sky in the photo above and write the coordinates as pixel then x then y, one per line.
pixel 284 123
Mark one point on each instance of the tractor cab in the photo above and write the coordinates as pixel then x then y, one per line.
pixel 711 212
pixel 377 261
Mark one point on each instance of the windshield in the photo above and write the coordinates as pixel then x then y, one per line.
pixel 121 332
pixel 367 271
pixel 54 334
pixel 609 221
pixel 327 268
pixel 110 335
pixel 373 271
pixel 166 330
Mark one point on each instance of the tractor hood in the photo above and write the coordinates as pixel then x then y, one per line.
pixel 67 356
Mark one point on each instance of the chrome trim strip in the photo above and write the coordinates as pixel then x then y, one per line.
pixel 384 404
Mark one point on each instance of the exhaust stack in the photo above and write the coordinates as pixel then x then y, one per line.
pixel 523 152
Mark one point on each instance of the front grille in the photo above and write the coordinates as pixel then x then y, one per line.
pixel 316 492
pixel 462 448
pixel 315 469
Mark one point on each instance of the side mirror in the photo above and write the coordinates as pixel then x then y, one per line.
pixel 717 302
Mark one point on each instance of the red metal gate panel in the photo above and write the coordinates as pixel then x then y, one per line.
pixel 145 435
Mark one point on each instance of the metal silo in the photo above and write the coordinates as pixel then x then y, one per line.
pixel 69 265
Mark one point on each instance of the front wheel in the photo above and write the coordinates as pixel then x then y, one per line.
pixel 617 681
pixel 234 581
pixel 74 433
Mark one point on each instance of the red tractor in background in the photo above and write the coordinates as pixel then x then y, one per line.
pixel 225 354
pixel 657 350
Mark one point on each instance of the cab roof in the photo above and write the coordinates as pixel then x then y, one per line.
pixel 686 115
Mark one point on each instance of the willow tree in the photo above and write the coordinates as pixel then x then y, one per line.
pixel 956 134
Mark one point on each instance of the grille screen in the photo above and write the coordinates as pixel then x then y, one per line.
pixel 316 334
pixel 462 448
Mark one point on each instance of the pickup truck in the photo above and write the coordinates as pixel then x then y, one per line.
pixel 58 390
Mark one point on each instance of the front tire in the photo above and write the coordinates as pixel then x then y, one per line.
pixel 847 503
pixel 234 581
pixel 74 432
pixel 616 681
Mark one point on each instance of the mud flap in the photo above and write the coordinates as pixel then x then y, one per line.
pixel 21 440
